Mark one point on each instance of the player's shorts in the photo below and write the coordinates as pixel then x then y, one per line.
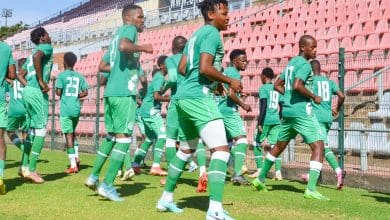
pixel 119 114
pixel 154 127
pixel 140 124
pixel 3 115
pixel 194 114
pixel 68 124
pixel 270 132
pixel 18 123
pixel 172 121
pixel 325 127
pixel 234 125
pixel 306 126
pixel 37 106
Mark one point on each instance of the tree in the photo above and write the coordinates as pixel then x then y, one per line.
pixel 11 30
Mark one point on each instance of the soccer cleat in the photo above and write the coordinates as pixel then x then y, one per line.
pixel 109 192
pixel 278 176
pixel 314 195
pixel 305 177
pixel 202 183
pixel 163 181
pixel 35 178
pixel 92 182
pixel 137 168
pixel 192 168
pixel 340 180
pixel 72 170
pixel 260 186
pixel 244 170
pixel 239 180
pixel 23 171
pixel 164 206
pixel 255 174
pixel 128 175
pixel 3 189
pixel 119 174
pixel 224 215
pixel 157 171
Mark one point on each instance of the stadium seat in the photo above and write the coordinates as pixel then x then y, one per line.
pixel 359 43
pixel 384 108
pixel 321 34
pixel 369 87
pixel 350 79
pixel 369 27
pixel 377 59
pixel 354 140
pixel 385 42
pixel 333 141
pixel 287 51
pixel 276 51
pixel 333 46
pixel 321 47
pixel 377 142
pixel 356 29
pixel 382 27
pixel 346 43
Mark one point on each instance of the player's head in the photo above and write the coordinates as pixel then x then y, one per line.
pixel 40 36
pixel 133 14
pixel 215 12
pixel 21 61
pixel 70 59
pixel 161 64
pixel 238 59
pixel 267 75
pixel 316 67
pixel 178 44
pixel 308 47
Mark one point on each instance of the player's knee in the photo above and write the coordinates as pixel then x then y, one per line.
pixel 242 140
pixel 213 134
pixel 40 132
pixel 188 146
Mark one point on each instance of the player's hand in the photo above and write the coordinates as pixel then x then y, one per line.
pixel 247 108
pixel 44 87
pixel 259 128
pixel 244 94
pixel 235 85
pixel 317 99
pixel 335 113
pixel 147 48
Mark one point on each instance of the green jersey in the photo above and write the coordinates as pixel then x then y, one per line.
pixel 149 105
pixel 72 84
pixel 206 39
pixel 174 78
pixel 295 104
pixel 324 88
pixel 124 75
pixel 225 104
pixel 273 98
pixel 16 107
pixel 47 64
pixel 5 61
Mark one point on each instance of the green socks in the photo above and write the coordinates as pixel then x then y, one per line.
pixel 127 160
pixel 314 173
pixel 158 151
pixel 201 154
pixel 258 152
pixel 239 156
pixel 26 151
pixel 175 170
pixel 36 151
pixel 140 153
pixel 269 161
pixel 217 174
pixel 102 154
pixel 2 165
pixel 170 149
pixel 278 163
pixel 117 156
pixel 331 158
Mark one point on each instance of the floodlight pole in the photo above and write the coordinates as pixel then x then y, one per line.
pixel 6 13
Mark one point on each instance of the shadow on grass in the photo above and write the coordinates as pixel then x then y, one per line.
pixel 284 187
pixel 132 189
pixel 13 183
pixel 54 176
pixel 84 166
pixel 191 182
pixel 195 202
pixel 379 198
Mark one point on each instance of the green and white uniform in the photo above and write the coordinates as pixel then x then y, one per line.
pixel 72 84
pixel 16 111
pixel 6 61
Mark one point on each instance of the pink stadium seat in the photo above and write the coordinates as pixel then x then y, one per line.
pixel 321 34
pixel 283 63
pixel 377 59
pixel 334 77
pixel 362 60
pixel 253 42
pixel 373 42
pixel 350 79
pixel 332 62
pixel 356 29
pixel 257 55
pixel 382 26
pixel 273 63
pixel 376 14
pixel 346 42
pixel 321 46
pixel 248 52
pixel 369 27
pixel 255 83
pixel 320 21
pixel 271 39
pixel 385 42
pixel 364 15
pixel 369 86
pixel 332 32
pixel 373 5
pixel 289 38
pixel 310 24
pixel 262 64
pixel 276 51
pixel 246 83
pixel 333 46
pixel 359 43
pixel 266 53
pixel 280 38
pixel 341 18
pixel 287 51
pixel 343 31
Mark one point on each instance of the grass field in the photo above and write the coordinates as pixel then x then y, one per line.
pixel 65 197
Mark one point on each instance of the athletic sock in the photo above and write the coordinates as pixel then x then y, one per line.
pixel 76 148
pixel 170 149
pixel 102 154
pixel 175 170
pixel 314 173
pixel 35 152
pixel 331 158
pixel 2 165
pixel 239 156
pixel 117 156
pixel 18 143
pixel 158 151
pixel 258 152
pixel 269 161
pixel 127 160
pixel 72 157
pixel 278 163
pixel 216 178
pixel 140 153
pixel 201 154
pixel 27 149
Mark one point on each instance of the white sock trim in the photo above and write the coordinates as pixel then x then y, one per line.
pixel 183 156
pixel 221 155
pixel 40 132
pixel 242 141
pixel 315 165
pixel 123 140
pixel 270 157
pixel 170 143
pixel 102 154
pixel 118 151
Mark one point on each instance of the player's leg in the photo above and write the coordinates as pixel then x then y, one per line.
pixel 158 126
pixel 12 127
pixel 67 127
pixel 76 148
pixel 258 153
pixel 272 138
pixel 201 158
pixel 28 137
pixel 140 153
pixel 3 149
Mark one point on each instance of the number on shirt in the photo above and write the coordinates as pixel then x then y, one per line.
pixel 323 90
pixel 274 99
pixel 190 58
pixel 17 90
pixel 72 86
pixel 288 78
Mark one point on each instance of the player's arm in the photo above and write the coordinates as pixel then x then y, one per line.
pixel 21 76
pixel 128 46
pixel 232 95
pixel 279 86
pixel 104 67
pixel 262 112
pixel 37 60
pixel 83 93
pixel 182 65
pixel 158 97
pixel 207 69
pixel 299 87
pixel 172 75
pixel 11 74
pixel 340 102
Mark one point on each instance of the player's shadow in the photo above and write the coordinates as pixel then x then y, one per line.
pixel 84 167
pixel 11 164
pixel 13 183
pixel 54 176
pixel 132 189
pixel 191 182
pixel 380 198
pixel 284 187
pixel 195 202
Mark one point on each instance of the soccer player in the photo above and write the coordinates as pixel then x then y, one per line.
pixel 119 98
pixel 324 87
pixel 234 125
pixel 197 110
pixel 35 94
pixel 296 83
pixel 17 119
pixel 7 70
pixel 71 86
pixel 268 124
pixel 150 112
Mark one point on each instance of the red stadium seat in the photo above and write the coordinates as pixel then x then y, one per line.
pixel 350 79
pixel 369 86
pixel 359 43
pixel 321 34
pixel 373 42
pixel 385 42
pixel 369 27
pixel 276 51
pixel 333 46
pixel 346 43
pixel 356 29
pixel 382 26
pixel 377 59
pixel 287 51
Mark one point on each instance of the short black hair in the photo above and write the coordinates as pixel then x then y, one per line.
pixel 161 60
pixel 303 40
pixel 130 7
pixel 178 43
pixel 268 72
pixel 208 5
pixel 21 61
pixel 36 34
pixel 235 53
pixel 70 59
pixel 315 62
